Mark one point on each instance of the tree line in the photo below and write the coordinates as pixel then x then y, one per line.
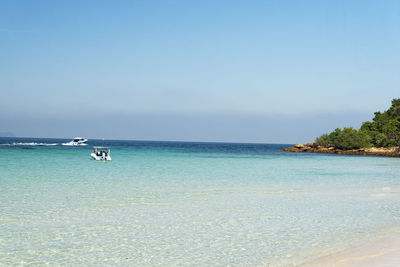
pixel 382 131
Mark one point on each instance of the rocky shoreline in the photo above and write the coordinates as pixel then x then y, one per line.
pixel 373 151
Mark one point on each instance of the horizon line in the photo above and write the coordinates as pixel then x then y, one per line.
pixel 146 140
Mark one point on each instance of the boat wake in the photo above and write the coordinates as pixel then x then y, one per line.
pixel 30 144
pixel 69 144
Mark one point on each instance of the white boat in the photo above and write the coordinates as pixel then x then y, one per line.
pixel 77 141
pixel 101 153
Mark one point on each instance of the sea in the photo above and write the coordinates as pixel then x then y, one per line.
pixel 188 203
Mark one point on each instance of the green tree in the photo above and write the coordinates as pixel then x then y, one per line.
pixel 350 138
pixel 382 131
pixel 323 140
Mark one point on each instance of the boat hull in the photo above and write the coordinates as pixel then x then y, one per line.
pixel 104 158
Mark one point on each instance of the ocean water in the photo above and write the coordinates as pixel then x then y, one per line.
pixel 187 204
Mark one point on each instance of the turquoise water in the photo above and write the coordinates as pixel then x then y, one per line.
pixel 166 203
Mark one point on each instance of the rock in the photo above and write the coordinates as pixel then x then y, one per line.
pixel 377 150
pixel 373 151
pixel 310 144
pixel 291 149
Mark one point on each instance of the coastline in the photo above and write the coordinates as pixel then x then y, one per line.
pixel 373 151
pixel 384 251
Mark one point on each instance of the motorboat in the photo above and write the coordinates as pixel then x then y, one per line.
pixel 101 153
pixel 77 141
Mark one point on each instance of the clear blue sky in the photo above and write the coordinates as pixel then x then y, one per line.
pixel 250 71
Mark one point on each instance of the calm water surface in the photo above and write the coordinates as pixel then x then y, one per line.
pixel 171 203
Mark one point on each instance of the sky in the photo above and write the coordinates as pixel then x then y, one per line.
pixel 280 71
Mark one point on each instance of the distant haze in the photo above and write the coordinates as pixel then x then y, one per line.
pixel 241 71
pixel 215 127
pixel 7 134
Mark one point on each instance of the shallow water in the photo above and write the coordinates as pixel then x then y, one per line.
pixel 171 203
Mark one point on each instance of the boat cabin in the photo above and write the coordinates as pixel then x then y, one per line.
pixel 101 153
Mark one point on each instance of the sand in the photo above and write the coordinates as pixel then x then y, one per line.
pixel 382 252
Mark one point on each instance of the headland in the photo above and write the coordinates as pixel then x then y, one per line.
pixel 379 137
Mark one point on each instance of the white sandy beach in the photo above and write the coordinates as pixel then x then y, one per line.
pixel 382 252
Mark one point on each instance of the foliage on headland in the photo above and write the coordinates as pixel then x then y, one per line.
pixel 383 131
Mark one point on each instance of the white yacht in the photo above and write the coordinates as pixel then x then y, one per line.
pixel 77 141
pixel 101 153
